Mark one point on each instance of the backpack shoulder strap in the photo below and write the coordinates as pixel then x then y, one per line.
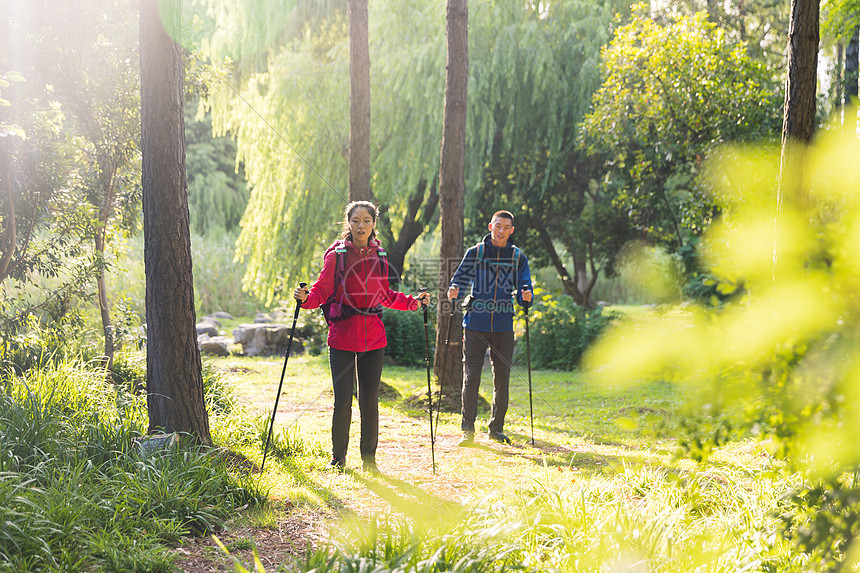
pixel 340 261
pixel 517 253
pixel 383 260
pixel 479 256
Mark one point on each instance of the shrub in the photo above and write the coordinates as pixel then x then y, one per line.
pixel 560 331
pixel 29 342
pixel 405 333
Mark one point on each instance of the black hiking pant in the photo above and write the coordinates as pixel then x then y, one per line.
pixel 475 344
pixel 344 364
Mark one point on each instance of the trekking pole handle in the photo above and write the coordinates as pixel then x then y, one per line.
pixel 298 302
pixel 526 304
pixel 453 301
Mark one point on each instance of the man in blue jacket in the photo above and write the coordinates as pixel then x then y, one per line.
pixel 497 271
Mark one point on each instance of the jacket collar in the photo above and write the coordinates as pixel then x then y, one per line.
pixel 488 242
pixel 371 243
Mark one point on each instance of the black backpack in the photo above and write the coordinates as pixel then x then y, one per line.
pixel 337 311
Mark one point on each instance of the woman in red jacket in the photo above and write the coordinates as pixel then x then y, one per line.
pixel 353 285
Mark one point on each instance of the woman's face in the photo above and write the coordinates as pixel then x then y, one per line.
pixel 361 224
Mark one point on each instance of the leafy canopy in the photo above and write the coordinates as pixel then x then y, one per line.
pixel 671 94
pixel 532 69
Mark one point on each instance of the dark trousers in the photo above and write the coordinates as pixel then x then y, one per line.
pixel 344 364
pixel 475 344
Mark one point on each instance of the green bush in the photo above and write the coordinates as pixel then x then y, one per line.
pixel 31 343
pixel 405 334
pixel 560 331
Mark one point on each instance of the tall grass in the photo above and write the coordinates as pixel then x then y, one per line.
pixel 655 519
pixel 75 491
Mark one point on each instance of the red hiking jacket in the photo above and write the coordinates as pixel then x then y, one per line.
pixel 366 287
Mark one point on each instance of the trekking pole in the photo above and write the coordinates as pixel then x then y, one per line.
pixel 429 386
pixel 529 366
pixel 441 370
pixel 281 384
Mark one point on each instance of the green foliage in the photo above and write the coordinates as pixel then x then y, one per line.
pixel 74 182
pixel 531 76
pixel 560 332
pixel 43 222
pixel 761 25
pixel 405 333
pixel 783 351
pixel 76 490
pixel 217 192
pixel 839 19
pixel 316 332
pixel 31 342
pixel 218 393
pixel 701 285
pixel 654 127
pixel 822 517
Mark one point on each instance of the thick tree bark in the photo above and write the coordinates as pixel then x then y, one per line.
pixel 800 103
pixel 799 119
pixel 452 185
pixel 359 102
pixel 173 367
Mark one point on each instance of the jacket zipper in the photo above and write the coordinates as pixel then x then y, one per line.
pixel 495 292
pixel 365 317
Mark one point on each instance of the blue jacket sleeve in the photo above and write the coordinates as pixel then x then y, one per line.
pixel 524 280
pixel 464 276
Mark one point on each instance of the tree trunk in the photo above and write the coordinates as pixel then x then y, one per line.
pixel 800 103
pixel 359 102
pixel 414 222
pixel 580 272
pixel 799 119
pixel 106 180
pixel 452 185
pixel 840 74
pixel 174 379
pixel 104 309
pixel 852 54
pixel 570 287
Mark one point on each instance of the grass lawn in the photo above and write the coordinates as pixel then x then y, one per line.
pixel 609 449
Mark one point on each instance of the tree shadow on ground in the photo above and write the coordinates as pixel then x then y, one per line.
pixel 306 480
pixel 583 457
pixel 408 499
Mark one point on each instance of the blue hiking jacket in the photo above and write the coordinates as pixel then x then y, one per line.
pixel 493 277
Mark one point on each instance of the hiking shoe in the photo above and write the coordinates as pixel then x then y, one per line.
pixel 467 440
pixel 369 465
pixel 499 437
pixel 338 463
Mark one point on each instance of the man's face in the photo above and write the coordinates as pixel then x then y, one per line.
pixel 501 228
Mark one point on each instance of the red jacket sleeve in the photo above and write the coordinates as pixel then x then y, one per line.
pixel 397 300
pixel 324 286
